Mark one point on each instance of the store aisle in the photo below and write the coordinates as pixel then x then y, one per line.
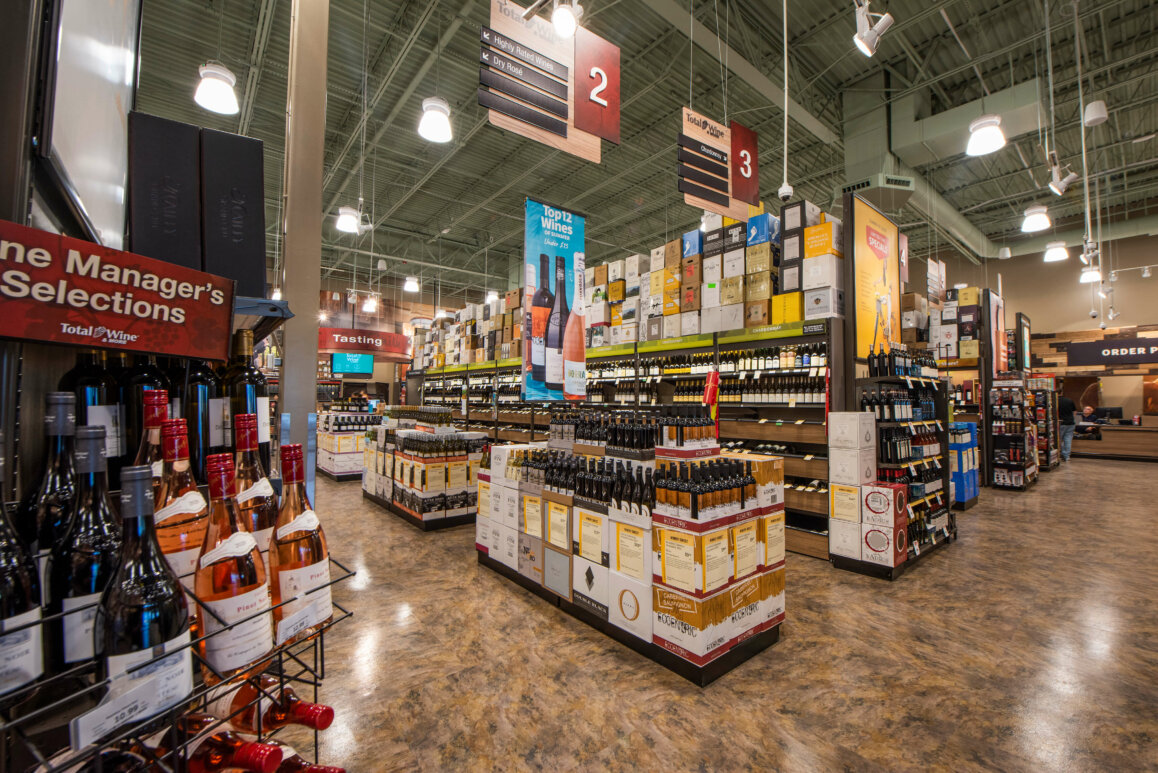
pixel 1027 645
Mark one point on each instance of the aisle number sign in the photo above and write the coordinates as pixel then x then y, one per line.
pixel 718 166
pixel 562 92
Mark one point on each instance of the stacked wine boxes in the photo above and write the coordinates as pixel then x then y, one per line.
pixel 435 487
pixel 868 519
pixel 956 331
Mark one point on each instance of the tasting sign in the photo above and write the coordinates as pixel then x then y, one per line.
pixel 57 289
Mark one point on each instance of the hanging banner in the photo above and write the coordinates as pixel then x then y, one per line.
pixel 717 165
pixel 340 339
pixel 62 290
pixel 876 272
pixel 562 92
pixel 554 329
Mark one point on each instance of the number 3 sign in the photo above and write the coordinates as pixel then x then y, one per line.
pixel 596 86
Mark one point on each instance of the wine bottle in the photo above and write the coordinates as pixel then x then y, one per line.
pixel 231 583
pixel 208 750
pixel 149 452
pixel 182 514
pixel 46 511
pixel 134 383
pixel 85 559
pixel 556 325
pixel 243 704
pixel 143 617
pixel 21 653
pixel 256 500
pixel 299 560
pixel 202 408
pixel 244 387
pixel 575 347
pixel 541 307
pixel 97 402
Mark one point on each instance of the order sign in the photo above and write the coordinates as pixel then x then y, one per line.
pixel 63 290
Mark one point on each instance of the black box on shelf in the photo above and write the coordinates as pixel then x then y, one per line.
pixel 233 210
pixel 164 191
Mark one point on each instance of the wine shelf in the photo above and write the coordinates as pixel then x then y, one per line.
pixel 806 542
pixel 435 525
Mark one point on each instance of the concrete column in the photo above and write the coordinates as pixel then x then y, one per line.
pixel 304 147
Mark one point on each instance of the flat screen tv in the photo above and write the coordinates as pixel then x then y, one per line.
pixel 352 364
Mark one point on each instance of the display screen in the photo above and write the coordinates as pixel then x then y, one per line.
pixel 352 364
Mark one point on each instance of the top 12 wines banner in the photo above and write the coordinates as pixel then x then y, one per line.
pixel 62 290
pixel 554 337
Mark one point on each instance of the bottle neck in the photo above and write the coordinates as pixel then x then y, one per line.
pixel 59 450
pixel 92 485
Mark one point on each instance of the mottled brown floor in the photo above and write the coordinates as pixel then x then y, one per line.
pixel 1030 644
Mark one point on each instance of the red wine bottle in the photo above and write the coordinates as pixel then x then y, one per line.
pixel 243 704
pixel 97 402
pixel 134 384
pixel 245 389
pixel 556 326
pixel 202 408
pixel 45 513
pixel 292 762
pixel 84 561
pixel 21 656
pixel 143 617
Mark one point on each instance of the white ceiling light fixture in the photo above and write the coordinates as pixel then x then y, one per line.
pixel 348 220
pixel 1146 272
pixel 352 297
pixel 435 123
pixel 1056 252
pixel 1089 275
pixel 370 305
pixel 440 314
pixel 1058 183
pixel 960 286
pixel 335 296
pixel 381 264
pixel 868 34
pixel 323 316
pixel 215 91
pixel 1114 314
pixel 492 296
pixel 565 17
pixel 1004 253
pixel 276 294
pixel 411 284
pixel 985 136
pixel 1096 114
pixel 1036 219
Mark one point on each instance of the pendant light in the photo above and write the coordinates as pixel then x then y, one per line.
pixel 1056 252
pixel 411 285
pixel 276 294
pixel 492 296
pixel 348 220
pixel 215 91
pixel 1095 114
pixel 370 305
pixel 1004 253
pixel 435 123
pixel 985 136
pixel 1036 219
pixel 1090 274
pixel 565 17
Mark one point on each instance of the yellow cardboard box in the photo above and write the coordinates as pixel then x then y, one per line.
pixel 824 239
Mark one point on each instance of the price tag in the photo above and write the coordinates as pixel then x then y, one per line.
pixel 916 549
pixel 780 422
pixel 800 421
pixel 912 515
pixel 763 421
pixel 113 713
pixel 792 403
pixel 912 469
pixel 808 457
pixel 945 529
pixel 812 372
pixel 912 429
pixel 938 422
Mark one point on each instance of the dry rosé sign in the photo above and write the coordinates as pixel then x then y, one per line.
pixel 62 290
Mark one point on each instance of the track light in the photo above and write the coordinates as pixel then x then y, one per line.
pixel 1036 219
pixel 215 91
pixel 1114 314
pixel 411 284
pixel 348 220
pixel 276 294
pixel 985 136
pixel 1102 292
pixel 1090 275
pixel 565 17
pixel 868 35
pixel 1146 272
pixel 435 123
pixel 1057 183
pixel 1056 252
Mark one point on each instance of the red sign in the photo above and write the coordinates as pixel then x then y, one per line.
pixel 340 339
pixel 596 85
pixel 745 165
pixel 62 290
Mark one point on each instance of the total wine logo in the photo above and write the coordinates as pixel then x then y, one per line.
pixel 102 334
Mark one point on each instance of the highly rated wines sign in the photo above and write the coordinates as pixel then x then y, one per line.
pixel 62 290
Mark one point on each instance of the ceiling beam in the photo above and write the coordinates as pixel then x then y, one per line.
pixel 256 61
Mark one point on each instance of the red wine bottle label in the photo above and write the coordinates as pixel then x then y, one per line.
pixel 111 418
pixel 21 658
pixel 311 604
pixel 263 488
pixel 236 545
pixel 171 675
pixel 189 503
pixel 307 520
pixel 263 420
pixel 236 647
pixel 78 644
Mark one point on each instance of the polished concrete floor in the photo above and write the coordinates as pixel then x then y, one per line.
pixel 1031 644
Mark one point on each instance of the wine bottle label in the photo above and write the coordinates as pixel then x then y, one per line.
pixel 189 503
pixel 263 488
pixel 263 420
pixel 307 520
pixel 78 644
pixel 237 544
pixel 219 701
pixel 263 538
pixel 158 466
pixel 42 569
pixel 109 417
pixel 21 658
pixel 217 421
pixel 171 672
pixel 230 649
pixel 554 373
pixel 184 565
pixel 574 378
pixel 310 605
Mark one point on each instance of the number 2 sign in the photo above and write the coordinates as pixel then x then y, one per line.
pixel 596 86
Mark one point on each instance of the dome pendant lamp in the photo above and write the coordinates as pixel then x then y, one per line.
pixel 215 91
pixel 435 123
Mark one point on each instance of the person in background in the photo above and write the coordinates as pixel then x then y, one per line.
pixel 1065 412
pixel 1088 418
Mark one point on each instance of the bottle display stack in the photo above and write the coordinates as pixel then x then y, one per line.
pixel 888 467
pixel 151 627
pixel 417 466
pixel 1013 433
pixel 964 464
pixel 342 438
pixel 1044 394
pixel 635 521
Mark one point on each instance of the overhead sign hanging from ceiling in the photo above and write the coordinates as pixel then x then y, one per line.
pixel 718 165
pixel 562 92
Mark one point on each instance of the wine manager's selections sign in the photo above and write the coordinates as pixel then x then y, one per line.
pixel 554 335
pixel 63 290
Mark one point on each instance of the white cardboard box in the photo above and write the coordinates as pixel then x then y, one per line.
pixel 732 317
pixel 629 604
pixel 824 303
pixel 823 271
pixel 852 467
pixel 709 296
pixel 690 323
pixel 657 259
pixel 844 538
pixel 482 533
pixel 712 269
pixel 885 545
pixel 631 267
pixel 671 326
pixel 852 429
pixel 615 270
pixel 734 263
pixel 508 548
pixel 710 320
